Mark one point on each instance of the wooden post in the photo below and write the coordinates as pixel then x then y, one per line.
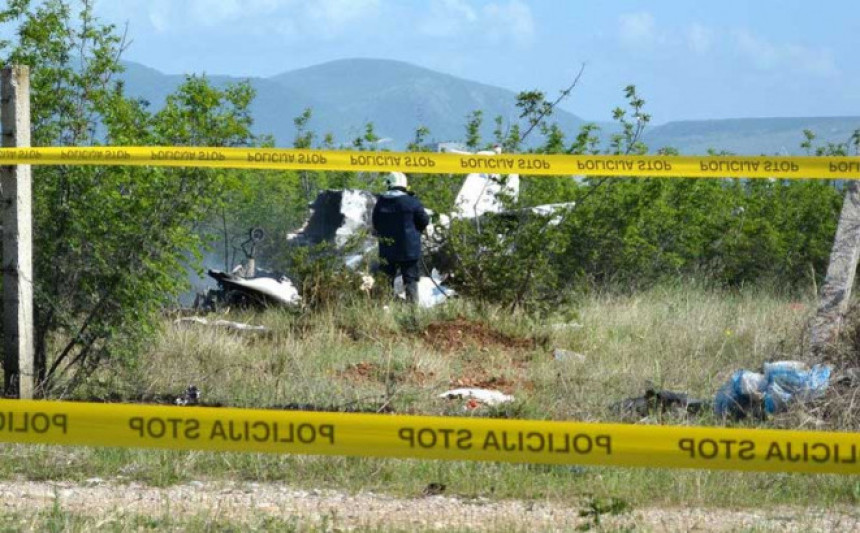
pixel 841 271
pixel 15 190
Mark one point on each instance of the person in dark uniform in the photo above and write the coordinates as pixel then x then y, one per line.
pixel 398 219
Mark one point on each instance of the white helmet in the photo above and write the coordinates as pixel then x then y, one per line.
pixel 396 179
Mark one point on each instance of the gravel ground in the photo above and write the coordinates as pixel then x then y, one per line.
pixel 337 511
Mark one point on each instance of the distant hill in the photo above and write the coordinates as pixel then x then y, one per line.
pixel 273 109
pixel 346 94
pixel 749 136
pixel 398 97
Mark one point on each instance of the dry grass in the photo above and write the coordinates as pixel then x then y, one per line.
pixel 360 356
pixel 685 339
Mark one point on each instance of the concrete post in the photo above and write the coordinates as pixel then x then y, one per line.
pixel 841 271
pixel 15 190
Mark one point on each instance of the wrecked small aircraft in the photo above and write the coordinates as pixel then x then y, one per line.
pixel 247 285
pixel 258 292
pixel 340 217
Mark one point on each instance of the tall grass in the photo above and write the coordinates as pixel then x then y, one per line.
pixel 368 356
pixel 683 338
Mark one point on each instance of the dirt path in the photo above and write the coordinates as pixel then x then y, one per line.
pixel 249 503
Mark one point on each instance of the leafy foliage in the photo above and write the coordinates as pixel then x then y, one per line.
pixel 320 275
pixel 511 258
pixel 111 243
pixel 636 232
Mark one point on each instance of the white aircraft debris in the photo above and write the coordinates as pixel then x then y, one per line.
pixel 226 324
pixel 482 193
pixel 431 292
pixel 341 216
pixel 260 291
pixel 486 396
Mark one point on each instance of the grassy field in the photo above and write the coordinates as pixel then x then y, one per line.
pixel 364 356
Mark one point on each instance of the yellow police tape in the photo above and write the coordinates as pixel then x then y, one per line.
pixel 424 437
pixel 444 163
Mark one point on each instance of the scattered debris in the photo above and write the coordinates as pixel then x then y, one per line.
pixel 431 292
pixel 247 285
pixel 335 216
pixel 848 378
pixel 191 396
pixel 434 489
pixel 486 396
pixel 338 216
pixel 660 401
pixel 260 292
pixel 557 211
pixel 499 383
pixel 343 218
pixel 484 193
pixel 249 248
pixel 566 355
pixel 227 324
pixel 772 391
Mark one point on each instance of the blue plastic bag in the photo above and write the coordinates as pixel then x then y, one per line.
pixel 747 392
pixel 786 384
pixel 740 394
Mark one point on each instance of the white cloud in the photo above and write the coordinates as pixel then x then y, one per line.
pixel 637 29
pixel 766 55
pixel 324 18
pixel 333 16
pixel 700 38
pixel 448 18
pixel 212 13
pixel 459 8
pixel 159 15
pixel 512 19
pixel 762 53
pixel 494 21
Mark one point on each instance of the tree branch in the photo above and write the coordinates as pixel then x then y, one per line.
pixel 548 111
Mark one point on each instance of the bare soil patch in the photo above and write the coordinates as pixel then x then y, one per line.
pixel 460 333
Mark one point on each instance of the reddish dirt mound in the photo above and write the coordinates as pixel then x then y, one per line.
pixel 458 334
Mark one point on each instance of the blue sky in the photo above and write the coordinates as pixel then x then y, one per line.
pixel 690 59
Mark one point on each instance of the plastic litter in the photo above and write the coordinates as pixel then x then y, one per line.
pixel 781 383
pixel 751 383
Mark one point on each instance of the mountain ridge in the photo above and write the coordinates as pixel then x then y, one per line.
pixel 398 96
pixel 750 136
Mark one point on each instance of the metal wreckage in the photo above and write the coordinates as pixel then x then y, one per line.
pixel 339 218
